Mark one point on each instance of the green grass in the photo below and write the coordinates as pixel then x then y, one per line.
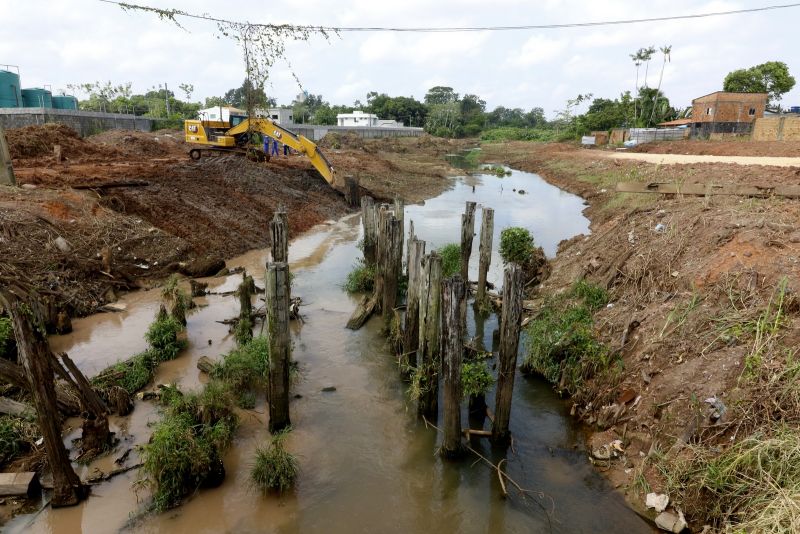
pixel 593 296
pixel 274 469
pixel 163 337
pixel 246 367
pixel 361 279
pixel 188 443
pixel 451 259
pixel 516 245
pixel 518 134
pixel 476 379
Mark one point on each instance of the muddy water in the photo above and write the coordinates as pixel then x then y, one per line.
pixel 367 464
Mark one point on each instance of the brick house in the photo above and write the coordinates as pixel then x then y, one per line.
pixel 723 112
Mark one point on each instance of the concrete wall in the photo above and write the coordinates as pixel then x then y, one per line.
pixel 83 122
pixel 785 128
pixel 315 132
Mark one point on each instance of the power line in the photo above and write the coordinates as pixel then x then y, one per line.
pixel 423 29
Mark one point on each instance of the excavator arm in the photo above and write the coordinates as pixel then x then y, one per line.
pixel 296 141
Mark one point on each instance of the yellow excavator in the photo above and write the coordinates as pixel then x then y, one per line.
pixel 237 136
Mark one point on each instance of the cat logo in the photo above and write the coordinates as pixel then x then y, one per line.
pixel 193 128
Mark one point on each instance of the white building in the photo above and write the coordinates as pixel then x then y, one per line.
pixel 357 118
pixel 277 115
pixel 219 113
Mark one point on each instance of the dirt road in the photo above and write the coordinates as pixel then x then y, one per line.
pixel 671 159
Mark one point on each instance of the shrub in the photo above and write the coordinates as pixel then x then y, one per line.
pixel 163 337
pixel 518 134
pixel 516 245
pixel 594 296
pixel 451 259
pixel 136 372
pixel 361 279
pixel 274 467
pixel 476 379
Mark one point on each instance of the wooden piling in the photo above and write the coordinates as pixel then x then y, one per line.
pixel 6 169
pixel 369 223
pixel 485 254
pixel 400 215
pixel 351 191
pixel 36 358
pixel 411 238
pixel 416 250
pixel 452 350
pixel 467 234
pixel 279 236
pixel 392 265
pixel 277 303
pixel 245 291
pixel 430 291
pixel 382 217
pixel 509 344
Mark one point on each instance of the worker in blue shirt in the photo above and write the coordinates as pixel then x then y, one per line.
pixel 275 147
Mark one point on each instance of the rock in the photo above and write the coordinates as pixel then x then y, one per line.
pixel 29 186
pixel 658 501
pixel 602 453
pixel 659 228
pixel 329 389
pixel 62 244
pixel 671 522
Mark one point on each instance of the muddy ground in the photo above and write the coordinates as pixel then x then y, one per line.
pixel 697 316
pixel 139 196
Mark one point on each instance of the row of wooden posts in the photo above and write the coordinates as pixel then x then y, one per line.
pixel 434 328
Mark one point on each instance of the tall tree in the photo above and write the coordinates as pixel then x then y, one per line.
pixel 637 61
pixel 666 50
pixel 771 77
pixel 440 95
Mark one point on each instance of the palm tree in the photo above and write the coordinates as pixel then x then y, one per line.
pixel 666 50
pixel 637 60
pixel 647 55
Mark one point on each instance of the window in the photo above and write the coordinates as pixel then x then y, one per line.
pixel 213 116
pixel 709 111
pixel 752 112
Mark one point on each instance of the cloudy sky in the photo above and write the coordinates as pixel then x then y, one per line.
pixel 73 41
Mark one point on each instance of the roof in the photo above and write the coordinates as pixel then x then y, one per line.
pixel 676 122
pixel 731 93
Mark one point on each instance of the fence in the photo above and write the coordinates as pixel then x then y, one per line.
pixel 647 135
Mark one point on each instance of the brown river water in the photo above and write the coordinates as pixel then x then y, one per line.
pixel 367 463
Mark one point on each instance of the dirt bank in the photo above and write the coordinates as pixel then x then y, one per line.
pixel 741 147
pixel 138 195
pixel 699 330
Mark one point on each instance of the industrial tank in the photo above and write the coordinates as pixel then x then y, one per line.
pixel 36 97
pixel 10 94
pixel 65 102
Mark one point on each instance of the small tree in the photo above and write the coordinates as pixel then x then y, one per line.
pixel 771 77
pixel 516 245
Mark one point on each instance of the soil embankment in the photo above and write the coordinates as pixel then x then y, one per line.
pixel 137 198
pixel 699 329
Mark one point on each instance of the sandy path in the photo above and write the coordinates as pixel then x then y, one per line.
pixel 670 159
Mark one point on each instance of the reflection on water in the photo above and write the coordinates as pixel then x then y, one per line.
pixel 367 463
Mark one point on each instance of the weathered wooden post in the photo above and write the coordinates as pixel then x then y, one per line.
pixel 392 266
pixel 411 239
pixel 430 291
pixel 351 191
pixel 369 223
pixel 279 345
pixel 400 215
pixel 6 169
pixel 36 358
pixel 245 326
pixel 279 236
pixel 509 343
pixel 382 217
pixel 452 350
pixel 485 254
pixel 467 233
pixel 416 251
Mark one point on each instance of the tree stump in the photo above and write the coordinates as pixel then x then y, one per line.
pixel 452 350
pixel 279 234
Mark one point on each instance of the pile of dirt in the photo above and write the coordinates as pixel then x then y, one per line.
pixel 742 147
pixel 144 144
pixel 339 140
pixel 37 141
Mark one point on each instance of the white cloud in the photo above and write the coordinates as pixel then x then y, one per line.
pixel 537 49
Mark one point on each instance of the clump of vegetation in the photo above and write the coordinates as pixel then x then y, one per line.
pixel 518 134
pixel 476 379
pixel 243 332
pixel 176 298
pixel 451 259
pixel 497 170
pixel 274 468
pixel 516 245
pixel 245 369
pixel 361 279
pixel 752 486
pixel 16 436
pixel 186 448
pixel 6 336
pixel 561 344
pixel 163 337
